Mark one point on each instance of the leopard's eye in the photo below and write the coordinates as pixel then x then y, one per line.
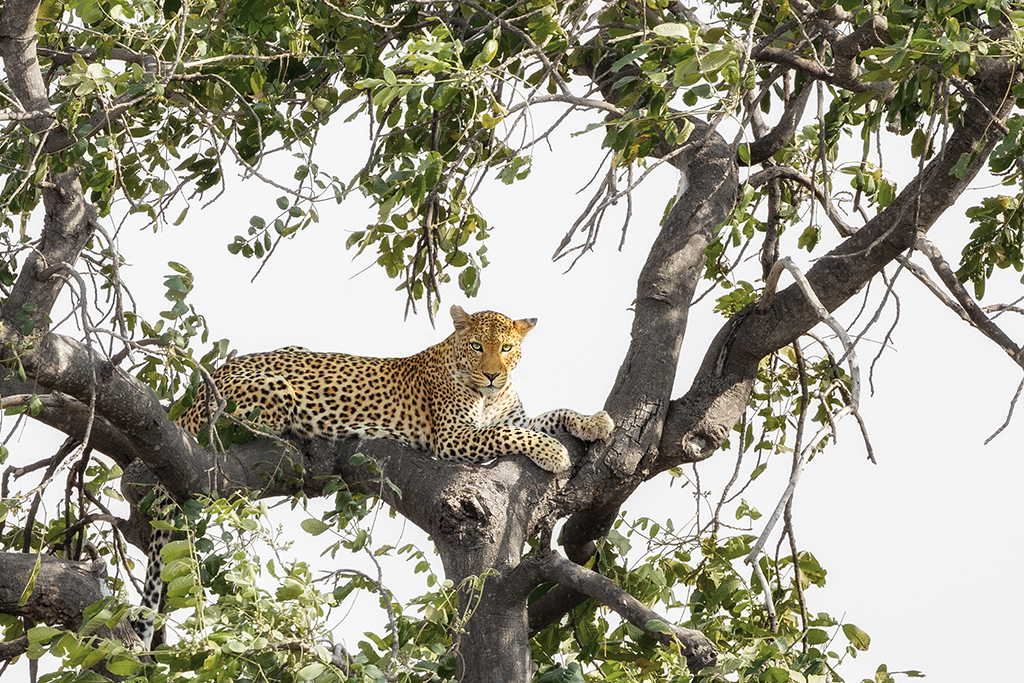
pixel 476 346
pixel 505 348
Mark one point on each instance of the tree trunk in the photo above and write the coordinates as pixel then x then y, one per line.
pixel 494 646
pixel 481 530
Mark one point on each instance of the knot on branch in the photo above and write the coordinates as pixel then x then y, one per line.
pixel 699 423
pixel 699 651
pixel 702 443
pixel 872 33
pixel 464 514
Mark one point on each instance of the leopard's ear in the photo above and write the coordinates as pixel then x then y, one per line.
pixel 525 325
pixel 460 318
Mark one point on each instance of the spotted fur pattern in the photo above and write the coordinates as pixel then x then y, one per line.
pixel 455 398
pixel 153 590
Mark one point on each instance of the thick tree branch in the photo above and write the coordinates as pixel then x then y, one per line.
pixel 553 605
pixel 639 399
pixel 63 589
pixel 18 50
pixel 63 364
pixel 765 147
pixel 844 71
pixel 701 419
pixel 13 648
pixel 72 417
pixel 67 57
pixel 61 592
pixel 872 33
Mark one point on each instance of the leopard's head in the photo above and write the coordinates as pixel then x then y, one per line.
pixel 487 347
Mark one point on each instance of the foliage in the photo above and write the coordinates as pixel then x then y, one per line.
pixel 448 88
pixel 702 578
pixel 243 607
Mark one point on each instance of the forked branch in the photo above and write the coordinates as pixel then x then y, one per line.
pixel 975 314
pixel 823 314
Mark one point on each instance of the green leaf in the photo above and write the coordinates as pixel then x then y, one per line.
pixel 314 526
pixel 638 53
pixel 42 634
pixel 176 550
pixel 121 665
pixel 175 284
pixel 290 589
pixel 714 61
pixel 858 638
pixel 817 636
pixel 809 238
pixel 620 542
pixel 180 588
pixel 31 584
pixel 469 281
pixel 49 11
pixel 310 671
pixel 488 52
pixel 342 592
pixel 658 626
pixel 94 622
pixel 180 407
pixel 179 309
pixel 774 674
pixel 961 165
pixel 672 30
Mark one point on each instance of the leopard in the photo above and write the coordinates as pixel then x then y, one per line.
pixel 455 399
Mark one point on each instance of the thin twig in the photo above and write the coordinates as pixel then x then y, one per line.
pixel 1009 414
pixel 823 315
pixel 794 478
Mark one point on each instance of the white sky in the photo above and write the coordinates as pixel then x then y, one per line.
pixel 912 546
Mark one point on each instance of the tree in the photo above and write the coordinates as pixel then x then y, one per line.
pixel 134 112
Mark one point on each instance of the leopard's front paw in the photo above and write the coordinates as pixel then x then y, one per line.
pixel 596 427
pixel 552 456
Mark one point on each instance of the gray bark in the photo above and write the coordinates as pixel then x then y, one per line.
pixel 61 592
pixel 62 588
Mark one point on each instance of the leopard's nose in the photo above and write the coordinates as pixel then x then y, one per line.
pixel 491 375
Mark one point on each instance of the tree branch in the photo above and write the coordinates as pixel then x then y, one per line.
pixel 639 399
pixel 63 589
pixel 766 146
pixel 67 57
pixel 700 420
pixel 697 649
pixel 975 314
pixel 71 417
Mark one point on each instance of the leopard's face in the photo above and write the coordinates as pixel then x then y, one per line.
pixel 487 348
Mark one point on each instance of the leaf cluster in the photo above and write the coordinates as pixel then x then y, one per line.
pixel 705 582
